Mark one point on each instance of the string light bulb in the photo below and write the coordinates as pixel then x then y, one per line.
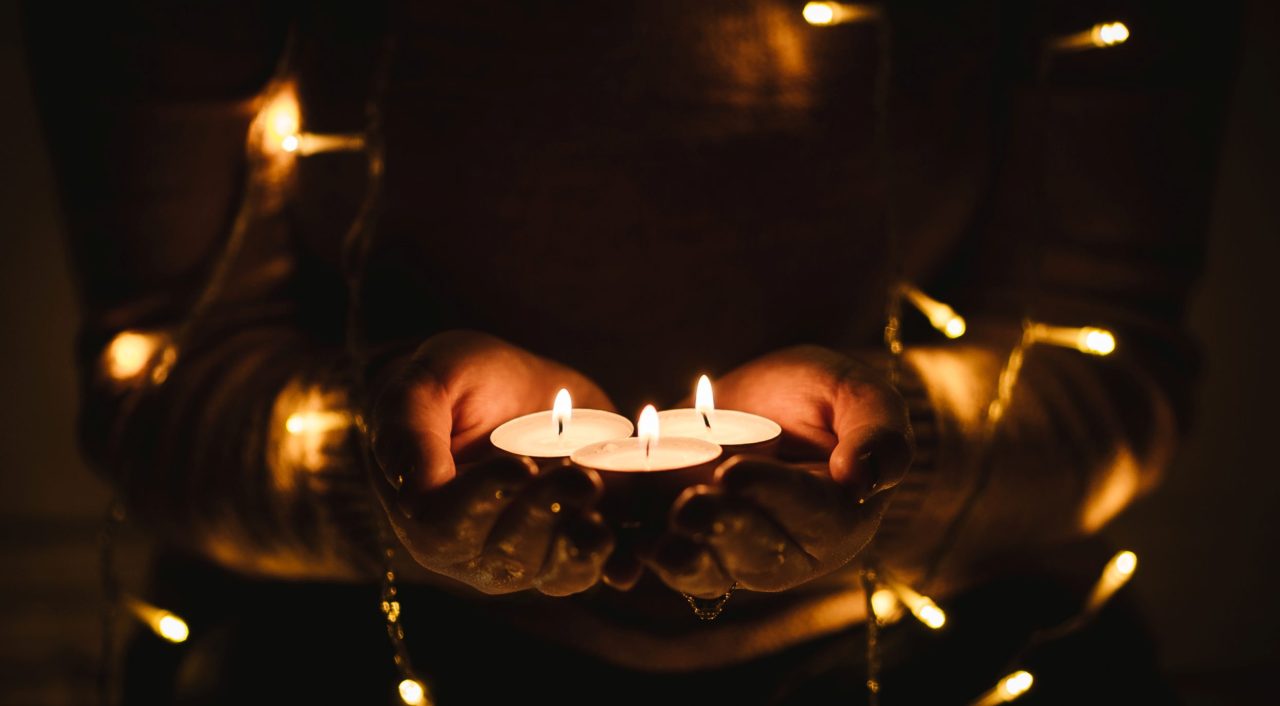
pixel 1109 34
pixel 316 422
pixel 165 624
pixel 413 692
pixel 941 316
pixel 1102 35
pixel 1007 689
pixel 1115 575
pixel 139 356
pixel 887 607
pixel 920 605
pixel 1086 339
pixel 826 14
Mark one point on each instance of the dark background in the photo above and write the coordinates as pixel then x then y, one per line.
pixel 1205 582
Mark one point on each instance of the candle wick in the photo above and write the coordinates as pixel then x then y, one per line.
pixel 647 443
pixel 559 427
pixel 706 420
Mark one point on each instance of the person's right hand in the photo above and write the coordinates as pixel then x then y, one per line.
pixel 494 522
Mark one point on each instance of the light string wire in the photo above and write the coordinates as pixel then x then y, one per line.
pixel 896 257
pixel 356 246
pixel 253 195
pixel 1016 682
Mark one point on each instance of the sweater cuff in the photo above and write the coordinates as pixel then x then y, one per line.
pixel 910 495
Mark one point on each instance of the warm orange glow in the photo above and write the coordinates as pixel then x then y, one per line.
pixel 561 412
pixel 886 606
pixel 1109 34
pixel 704 401
pixel 941 316
pixel 1086 339
pixel 1099 36
pixel 316 422
pixel 921 606
pixel 647 427
pixel 129 352
pixel 136 355
pixel 162 622
pixel 412 692
pixel 281 121
pixel 1115 575
pixel 825 14
pixel 1116 485
pixel 1007 689
pixel 819 13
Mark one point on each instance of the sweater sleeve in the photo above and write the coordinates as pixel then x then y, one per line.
pixel 1096 217
pixel 216 411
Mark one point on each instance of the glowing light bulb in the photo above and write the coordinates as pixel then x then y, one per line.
pixel 172 628
pixel 941 316
pixel 819 13
pixel 128 354
pixel 281 121
pixel 135 355
pixel 886 606
pixel 1007 689
pixel 561 411
pixel 1126 562
pixel 1109 34
pixel 1086 339
pixel 1099 36
pixel 163 623
pixel 1096 341
pixel 1115 575
pixel 315 422
pixel 825 14
pixel 921 606
pixel 930 614
pixel 412 692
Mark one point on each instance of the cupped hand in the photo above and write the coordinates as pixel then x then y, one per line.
pixel 494 522
pixel 771 524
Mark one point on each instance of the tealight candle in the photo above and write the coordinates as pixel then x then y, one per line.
pixel 736 432
pixel 644 474
pixel 559 432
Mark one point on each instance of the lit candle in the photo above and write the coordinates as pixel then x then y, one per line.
pixel 559 432
pixel 644 474
pixel 736 432
pixel 646 452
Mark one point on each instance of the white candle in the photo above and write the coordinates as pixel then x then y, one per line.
pixel 559 432
pixel 726 427
pixel 646 451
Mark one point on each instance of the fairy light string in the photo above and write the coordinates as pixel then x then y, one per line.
pixel 138 360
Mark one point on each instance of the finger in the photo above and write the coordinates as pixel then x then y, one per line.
pixel 871 425
pixel 576 559
pixel 519 542
pixel 450 524
pixel 815 511
pixel 622 570
pixel 871 459
pixel 750 545
pixel 689 567
pixel 411 433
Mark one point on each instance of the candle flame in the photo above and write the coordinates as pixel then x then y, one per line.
pixel 561 411
pixel 704 401
pixel 647 427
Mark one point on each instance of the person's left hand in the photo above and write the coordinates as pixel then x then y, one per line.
pixel 770 524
